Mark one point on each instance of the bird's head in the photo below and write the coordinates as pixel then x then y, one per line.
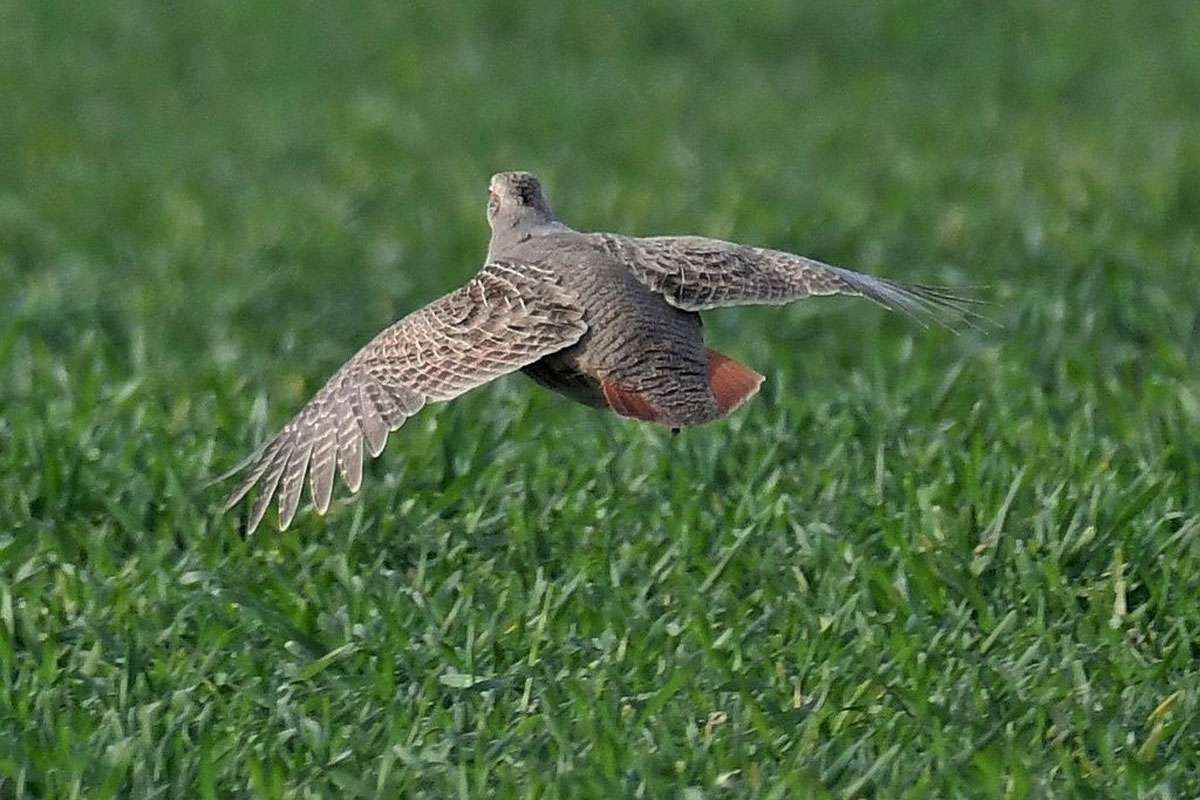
pixel 515 200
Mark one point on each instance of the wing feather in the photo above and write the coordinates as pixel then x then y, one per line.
pixel 269 481
pixel 374 428
pixel 695 273
pixel 321 470
pixel 292 480
pixel 350 450
pixel 506 317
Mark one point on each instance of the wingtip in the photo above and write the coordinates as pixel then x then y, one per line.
pixel 238 494
pixel 948 308
pixel 256 518
pixel 261 504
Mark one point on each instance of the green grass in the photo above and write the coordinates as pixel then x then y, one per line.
pixel 916 565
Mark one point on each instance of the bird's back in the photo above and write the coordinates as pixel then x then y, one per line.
pixel 635 339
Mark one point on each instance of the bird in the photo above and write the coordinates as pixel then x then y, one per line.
pixel 607 320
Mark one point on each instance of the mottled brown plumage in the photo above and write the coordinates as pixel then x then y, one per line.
pixel 606 320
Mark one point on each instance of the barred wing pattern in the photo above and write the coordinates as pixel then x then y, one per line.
pixel 696 273
pixel 506 317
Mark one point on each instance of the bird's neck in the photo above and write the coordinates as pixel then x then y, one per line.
pixel 507 240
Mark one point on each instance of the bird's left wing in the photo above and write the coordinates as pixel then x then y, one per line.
pixel 696 273
pixel 506 317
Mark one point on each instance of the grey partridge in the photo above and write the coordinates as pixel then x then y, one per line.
pixel 607 320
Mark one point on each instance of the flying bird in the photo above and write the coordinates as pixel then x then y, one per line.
pixel 607 320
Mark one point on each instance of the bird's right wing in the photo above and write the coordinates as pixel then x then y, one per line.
pixel 697 273
pixel 506 317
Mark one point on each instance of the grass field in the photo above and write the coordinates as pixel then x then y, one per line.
pixel 917 565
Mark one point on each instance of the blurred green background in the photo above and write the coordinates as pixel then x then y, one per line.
pixel 916 565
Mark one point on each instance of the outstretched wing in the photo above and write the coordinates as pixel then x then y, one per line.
pixel 695 273
pixel 508 316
